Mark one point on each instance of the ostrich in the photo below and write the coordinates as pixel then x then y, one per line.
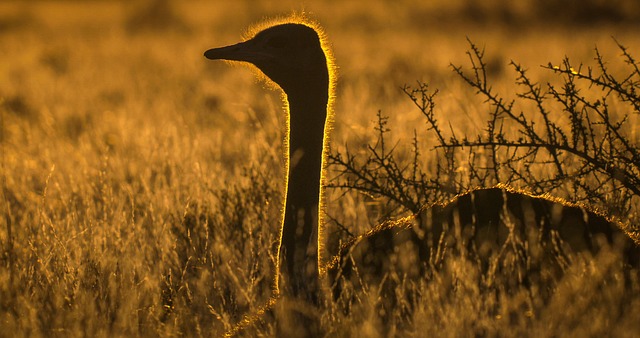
pixel 295 56
pixel 292 56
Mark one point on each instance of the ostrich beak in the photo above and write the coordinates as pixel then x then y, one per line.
pixel 243 51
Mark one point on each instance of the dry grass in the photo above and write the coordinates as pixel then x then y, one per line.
pixel 141 185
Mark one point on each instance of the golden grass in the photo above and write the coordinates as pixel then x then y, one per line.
pixel 141 185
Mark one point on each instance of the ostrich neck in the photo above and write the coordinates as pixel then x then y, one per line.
pixel 299 248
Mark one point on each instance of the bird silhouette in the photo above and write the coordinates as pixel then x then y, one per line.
pixel 292 56
pixel 483 223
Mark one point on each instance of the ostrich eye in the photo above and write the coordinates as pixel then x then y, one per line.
pixel 277 42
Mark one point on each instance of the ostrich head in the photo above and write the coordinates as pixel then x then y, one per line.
pixel 290 54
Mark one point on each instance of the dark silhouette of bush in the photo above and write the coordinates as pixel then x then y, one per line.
pixel 564 139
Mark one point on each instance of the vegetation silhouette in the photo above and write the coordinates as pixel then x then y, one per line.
pixel 528 235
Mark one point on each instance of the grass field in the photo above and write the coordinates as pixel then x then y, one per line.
pixel 142 184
